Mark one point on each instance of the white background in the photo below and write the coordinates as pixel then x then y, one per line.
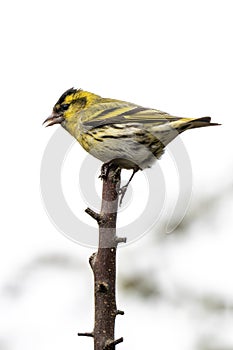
pixel 172 55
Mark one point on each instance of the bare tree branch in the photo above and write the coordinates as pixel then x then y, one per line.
pixel 103 263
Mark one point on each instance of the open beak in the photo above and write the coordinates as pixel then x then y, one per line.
pixel 53 119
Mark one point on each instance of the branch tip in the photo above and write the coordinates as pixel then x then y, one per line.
pixel 121 239
pixel 110 344
pixel 119 312
pixel 93 214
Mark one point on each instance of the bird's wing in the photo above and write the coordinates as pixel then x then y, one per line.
pixel 118 112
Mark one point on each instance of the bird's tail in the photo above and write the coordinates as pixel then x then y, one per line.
pixel 185 124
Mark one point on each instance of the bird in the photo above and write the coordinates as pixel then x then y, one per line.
pixel 119 132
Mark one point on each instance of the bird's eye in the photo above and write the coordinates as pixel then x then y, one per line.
pixel 64 107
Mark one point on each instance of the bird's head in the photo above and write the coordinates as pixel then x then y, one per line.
pixel 69 105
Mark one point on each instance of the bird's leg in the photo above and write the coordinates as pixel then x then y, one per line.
pixel 105 171
pixel 122 190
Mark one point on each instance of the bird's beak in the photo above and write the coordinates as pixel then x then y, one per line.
pixel 53 119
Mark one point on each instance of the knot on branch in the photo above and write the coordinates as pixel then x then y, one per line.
pixel 102 287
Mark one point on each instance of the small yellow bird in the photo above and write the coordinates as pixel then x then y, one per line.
pixel 131 135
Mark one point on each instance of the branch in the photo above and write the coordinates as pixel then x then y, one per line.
pixel 86 334
pixel 93 214
pixel 103 263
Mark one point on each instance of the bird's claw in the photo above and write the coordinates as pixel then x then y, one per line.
pixel 122 192
pixel 104 171
pixel 106 168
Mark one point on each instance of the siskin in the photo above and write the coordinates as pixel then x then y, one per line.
pixel 131 136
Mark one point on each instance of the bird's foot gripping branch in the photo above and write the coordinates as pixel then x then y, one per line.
pixel 103 262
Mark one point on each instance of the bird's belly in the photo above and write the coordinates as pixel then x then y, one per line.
pixel 128 151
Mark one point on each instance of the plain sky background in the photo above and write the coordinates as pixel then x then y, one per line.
pixel 171 55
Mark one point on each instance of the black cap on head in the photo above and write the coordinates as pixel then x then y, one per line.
pixel 66 93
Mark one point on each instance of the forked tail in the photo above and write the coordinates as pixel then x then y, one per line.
pixel 195 123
